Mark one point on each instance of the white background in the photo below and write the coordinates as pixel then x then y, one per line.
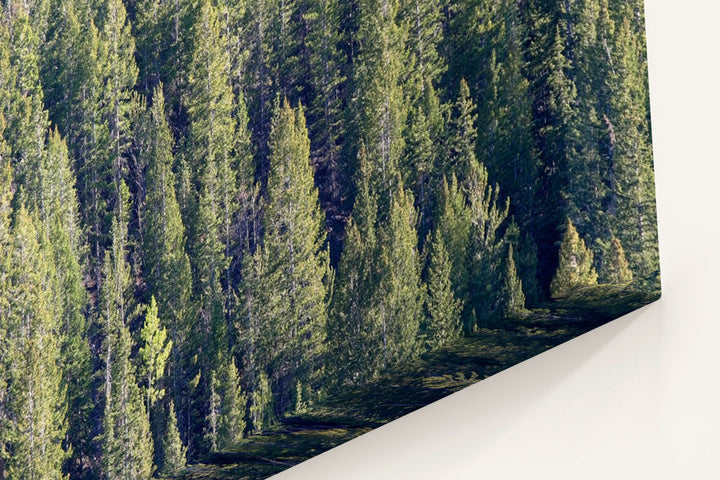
pixel 638 398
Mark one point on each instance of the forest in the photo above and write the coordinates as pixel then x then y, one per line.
pixel 218 217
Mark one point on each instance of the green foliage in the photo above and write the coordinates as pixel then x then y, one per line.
pixel 443 308
pixel 153 354
pixel 231 426
pixel 127 449
pixel 296 266
pixel 260 407
pixel 575 265
pixel 174 454
pixel 143 162
pixel 400 296
pixel 34 411
pixel 512 296
pixel 485 304
pixel 615 268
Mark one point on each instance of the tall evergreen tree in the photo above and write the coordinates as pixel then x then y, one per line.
pixel 36 402
pixel 443 308
pixel 174 453
pixel 377 101
pixel 127 449
pixel 615 267
pixel 575 265
pixel 297 260
pixel 485 305
pixel 399 306
pixel 512 296
pixel 352 325
pixel 166 265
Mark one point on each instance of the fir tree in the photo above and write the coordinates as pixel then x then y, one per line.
pixel 460 155
pixel 512 296
pixel 615 267
pixel 36 403
pixel 575 265
pixel 166 265
pixel 399 306
pixel 443 322
pixel 454 224
pixel 378 113
pixel 174 454
pixel 153 355
pixel 485 305
pixel 127 449
pixel 297 259
pixel 351 323
pixel 231 426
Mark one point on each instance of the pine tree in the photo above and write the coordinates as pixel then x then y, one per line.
pixel 166 265
pixel 351 324
pixel 325 115
pixel 261 403
pixel 297 258
pixel 633 193
pixel 400 296
pixel 174 454
pixel 512 296
pixel 485 305
pixel 26 118
pixel 36 402
pixel 153 355
pixel 127 449
pixel 59 212
pixel 443 308
pixel 377 101
pixel 615 267
pixel 231 426
pixel 575 265
pixel 423 151
pixel 454 224
pixel 120 76
pixel 462 137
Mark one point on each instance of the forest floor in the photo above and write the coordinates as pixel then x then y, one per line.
pixel 434 375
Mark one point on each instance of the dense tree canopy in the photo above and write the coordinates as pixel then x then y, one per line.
pixel 215 213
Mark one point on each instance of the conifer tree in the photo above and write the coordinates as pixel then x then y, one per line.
pixel 166 265
pixel 423 150
pixel 231 427
pixel 174 454
pixel 632 178
pixel 615 267
pixel 36 402
pixel 153 355
pixel 378 112
pixel 26 118
pixel 575 265
pixel 325 116
pixel 443 308
pixel 351 324
pixel 120 76
pixel 462 137
pixel 261 403
pixel 512 296
pixel 485 305
pixel 400 296
pixel 59 212
pixel 454 224
pixel 297 260
pixel 425 33
pixel 127 449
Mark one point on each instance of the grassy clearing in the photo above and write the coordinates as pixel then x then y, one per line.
pixel 357 410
